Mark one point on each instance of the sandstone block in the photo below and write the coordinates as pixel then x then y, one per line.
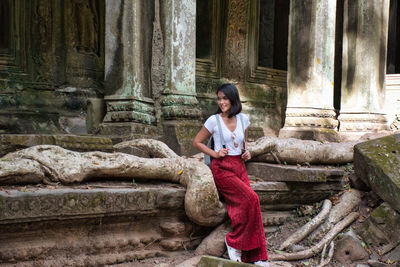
pixel 377 163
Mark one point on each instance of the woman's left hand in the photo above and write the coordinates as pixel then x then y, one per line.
pixel 246 155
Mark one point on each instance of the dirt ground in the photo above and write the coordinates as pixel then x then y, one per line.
pixel 300 217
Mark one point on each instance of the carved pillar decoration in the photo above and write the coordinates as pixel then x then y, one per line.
pixel 130 108
pixel 84 41
pixel 364 67
pixel 235 59
pixel 310 113
pixel 179 103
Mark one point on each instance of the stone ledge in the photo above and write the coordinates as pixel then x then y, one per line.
pixel 69 203
pixel 291 173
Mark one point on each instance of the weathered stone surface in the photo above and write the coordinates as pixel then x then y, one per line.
pixel 179 135
pixel 275 217
pixel 278 193
pixel 393 256
pixel 36 204
pixel 361 109
pixel 293 173
pixel 208 261
pixel 357 183
pixel 96 109
pixel 375 263
pixel 175 244
pixel 192 262
pixel 349 250
pixel 382 227
pixel 93 225
pixel 311 71
pixel 173 228
pixel 377 163
pixel 13 142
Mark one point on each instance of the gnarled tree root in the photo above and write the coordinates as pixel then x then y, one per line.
pixel 325 261
pixel 312 251
pixel 347 202
pixel 296 151
pixel 53 164
pixel 306 229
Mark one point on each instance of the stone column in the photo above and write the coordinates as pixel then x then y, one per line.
pixel 310 113
pixel 182 117
pixel 130 108
pixel 364 67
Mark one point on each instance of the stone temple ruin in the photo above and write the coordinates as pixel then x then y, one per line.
pixel 86 77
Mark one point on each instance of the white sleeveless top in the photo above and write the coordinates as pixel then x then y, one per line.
pixel 212 126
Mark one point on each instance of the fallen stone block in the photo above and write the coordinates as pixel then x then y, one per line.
pixel 377 163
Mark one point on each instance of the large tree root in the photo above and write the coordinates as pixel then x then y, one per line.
pixel 347 202
pixel 155 148
pixel 296 151
pixel 214 244
pixel 53 164
pixel 306 229
pixel 312 251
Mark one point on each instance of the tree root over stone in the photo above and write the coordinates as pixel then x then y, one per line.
pixel 315 249
pixel 336 219
pixel 309 227
pixel 52 164
pixel 296 151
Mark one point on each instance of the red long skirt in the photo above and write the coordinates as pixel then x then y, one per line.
pixel 243 206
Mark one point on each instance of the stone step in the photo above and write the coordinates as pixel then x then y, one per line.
pixel 294 173
pixel 31 203
pixel 274 194
pixel 36 203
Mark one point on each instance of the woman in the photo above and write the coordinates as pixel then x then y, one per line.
pixel 246 242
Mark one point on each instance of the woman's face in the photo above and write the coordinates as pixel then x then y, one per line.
pixel 223 102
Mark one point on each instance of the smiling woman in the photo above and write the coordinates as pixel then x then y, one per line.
pixel 246 242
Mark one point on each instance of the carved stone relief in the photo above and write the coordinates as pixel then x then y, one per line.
pixel 235 47
pixel 85 28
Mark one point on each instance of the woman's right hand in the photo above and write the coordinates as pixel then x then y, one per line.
pixel 222 152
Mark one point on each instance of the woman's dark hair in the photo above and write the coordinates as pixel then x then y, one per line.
pixel 232 93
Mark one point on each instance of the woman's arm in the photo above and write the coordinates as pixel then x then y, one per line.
pixel 246 155
pixel 202 135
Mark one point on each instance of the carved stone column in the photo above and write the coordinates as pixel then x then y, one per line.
pixel 130 108
pixel 364 67
pixel 179 103
pixel 310 113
